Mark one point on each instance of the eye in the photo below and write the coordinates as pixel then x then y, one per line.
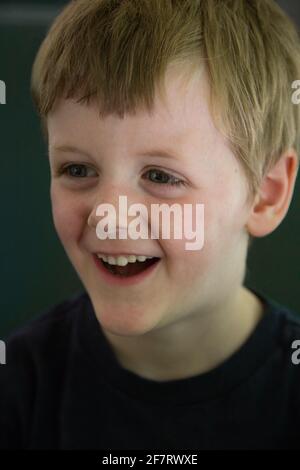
pixel 163 178
pixel 76 170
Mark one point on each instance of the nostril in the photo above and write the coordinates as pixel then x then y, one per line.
pixel 92 221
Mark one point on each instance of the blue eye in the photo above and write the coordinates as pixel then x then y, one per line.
pixel 164 178
pixel 79 170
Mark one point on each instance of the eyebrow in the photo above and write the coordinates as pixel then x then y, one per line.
pixel 160 153
pixel 68 148
pixel 147 153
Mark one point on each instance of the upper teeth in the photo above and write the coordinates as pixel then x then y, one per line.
pixel 123 260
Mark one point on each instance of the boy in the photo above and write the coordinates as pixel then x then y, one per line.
pixel 175 353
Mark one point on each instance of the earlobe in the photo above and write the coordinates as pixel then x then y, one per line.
pixel 274 196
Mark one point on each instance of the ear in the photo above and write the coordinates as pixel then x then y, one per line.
pixel 274 196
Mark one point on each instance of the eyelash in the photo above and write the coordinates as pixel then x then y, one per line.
pixel 173 180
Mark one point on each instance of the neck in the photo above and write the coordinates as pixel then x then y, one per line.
pixel 193 345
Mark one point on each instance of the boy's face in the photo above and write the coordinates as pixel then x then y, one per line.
pixel 114 151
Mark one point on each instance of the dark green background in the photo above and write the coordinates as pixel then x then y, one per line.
pixel 35 272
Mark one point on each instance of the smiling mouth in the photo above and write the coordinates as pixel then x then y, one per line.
pixel 131 269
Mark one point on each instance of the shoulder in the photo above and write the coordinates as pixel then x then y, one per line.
pixel 35 364
pixel 290 324
pixel 279 319
pixel 290 340
pixel 276 341
pixel 288 362
pixel 50 329
pixel 285 323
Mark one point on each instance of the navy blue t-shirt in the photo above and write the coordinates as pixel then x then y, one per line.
pixel 63 388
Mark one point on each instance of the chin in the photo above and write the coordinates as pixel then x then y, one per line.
pixel 125 321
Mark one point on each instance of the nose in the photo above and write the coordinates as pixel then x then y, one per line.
pixel 109 206
pixel 92 222
pixel 119 200
pixel 108 194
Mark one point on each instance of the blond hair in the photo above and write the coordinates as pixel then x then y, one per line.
pixel 118 51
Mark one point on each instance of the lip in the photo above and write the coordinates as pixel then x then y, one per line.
pixel 109 278
pixel 115 255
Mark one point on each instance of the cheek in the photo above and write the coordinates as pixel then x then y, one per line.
pixel 224 219
pixel 226 213
pixel 69 216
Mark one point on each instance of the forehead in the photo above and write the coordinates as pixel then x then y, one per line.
pixel 181 111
